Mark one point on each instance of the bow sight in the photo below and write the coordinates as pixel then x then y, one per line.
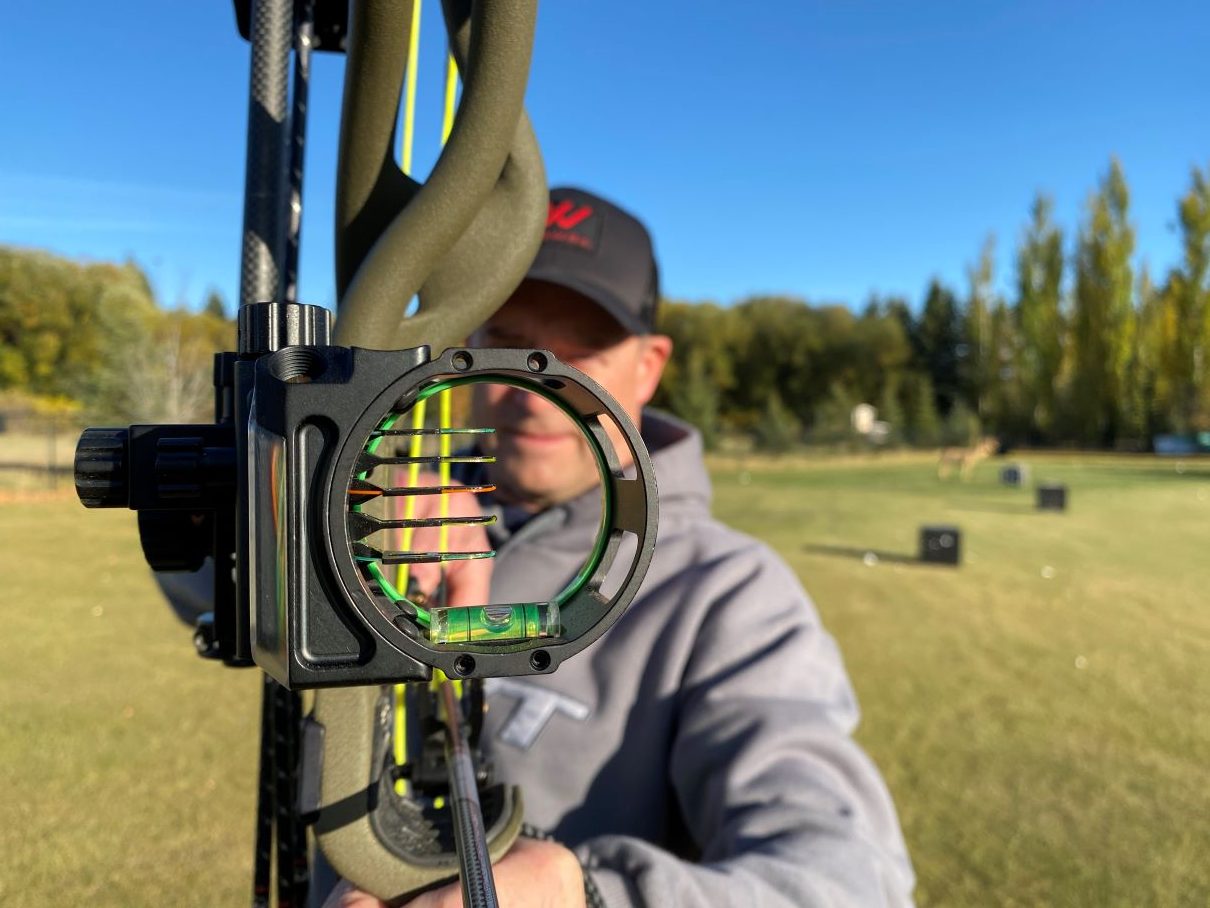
pixel 281 486
pixel 307 492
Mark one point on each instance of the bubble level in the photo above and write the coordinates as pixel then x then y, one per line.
pixel 494 623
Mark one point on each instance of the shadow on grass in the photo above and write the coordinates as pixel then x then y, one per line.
pixel 995 507
pixel 863 554
pixel 1186 473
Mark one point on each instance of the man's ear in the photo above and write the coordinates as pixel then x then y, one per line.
pixel 653 357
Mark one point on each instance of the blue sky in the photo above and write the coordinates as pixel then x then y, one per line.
pixel 825 148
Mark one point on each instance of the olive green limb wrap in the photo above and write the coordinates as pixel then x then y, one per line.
pixel 463 239
pixel 461 242
pixel 352 783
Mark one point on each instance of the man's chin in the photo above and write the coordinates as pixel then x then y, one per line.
pixel 536 492
pixel 530 494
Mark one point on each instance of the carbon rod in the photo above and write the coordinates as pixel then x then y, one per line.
pixel 304 40
pixel 475 864
pixel 265 227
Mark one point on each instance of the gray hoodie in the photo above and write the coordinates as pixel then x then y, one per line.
pixel 700 753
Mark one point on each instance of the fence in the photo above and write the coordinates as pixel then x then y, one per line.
pixel 36 451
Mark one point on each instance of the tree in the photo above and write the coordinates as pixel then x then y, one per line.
pixel 779 342
pixel 890 411
pixel 165 373
pixel 941 343
pixel 778 429
pixel 214 304
pixel 695 398
pixel 832 422
pixel 92 334
pixel 706 341
pixel 1188 294
pixel 1103 318
pixel 898 310
pixel 980 364
pixel 962 426
pixel 880 352
pixel 1004 409
pixel 1146 402
pixel 1039 315
pixel 59 319
pixel 923 423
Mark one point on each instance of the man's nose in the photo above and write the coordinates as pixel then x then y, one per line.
pixel 527 403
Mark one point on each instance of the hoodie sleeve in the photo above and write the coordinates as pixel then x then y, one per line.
pixel 786 810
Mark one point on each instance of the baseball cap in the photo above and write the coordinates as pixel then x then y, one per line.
pixel 599 250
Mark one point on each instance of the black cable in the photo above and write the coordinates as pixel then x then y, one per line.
pixel 279 827
pixel 295 833
pixel 262 876
pixel 291 885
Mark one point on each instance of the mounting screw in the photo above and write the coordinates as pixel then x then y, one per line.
pixel 205 640
pixel 540 660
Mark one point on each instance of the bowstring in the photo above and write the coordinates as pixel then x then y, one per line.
pixel 419 410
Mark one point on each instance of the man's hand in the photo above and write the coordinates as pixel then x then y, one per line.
pixel 534 874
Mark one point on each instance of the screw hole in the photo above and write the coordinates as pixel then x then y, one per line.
pixel 297 365
pixel 540 660
pixel 554 384
pixel 536 362
pixel 464 664
pixel 462 361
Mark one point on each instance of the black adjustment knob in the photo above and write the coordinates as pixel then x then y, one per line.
pixel 268 327
pixel 178 468
pixel 102 456
pixel 190 471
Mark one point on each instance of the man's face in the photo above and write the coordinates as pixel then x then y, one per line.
pixel 541 457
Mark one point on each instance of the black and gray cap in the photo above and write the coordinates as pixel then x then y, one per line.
pixel 603 252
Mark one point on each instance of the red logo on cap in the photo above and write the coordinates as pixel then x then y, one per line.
pixel 565 215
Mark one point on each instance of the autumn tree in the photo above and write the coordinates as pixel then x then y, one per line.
pixel 979 363
pixel 1039 315
pixel 1188 294
pixel 1103 314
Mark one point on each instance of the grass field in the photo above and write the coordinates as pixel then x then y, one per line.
pixel 1039 713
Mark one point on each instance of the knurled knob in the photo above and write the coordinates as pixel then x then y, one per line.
pixel 268 327
pixel 101 469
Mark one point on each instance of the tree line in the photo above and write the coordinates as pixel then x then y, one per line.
pixel 1085 350
pixel 90 342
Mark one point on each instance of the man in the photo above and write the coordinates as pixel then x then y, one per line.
pixel 699 754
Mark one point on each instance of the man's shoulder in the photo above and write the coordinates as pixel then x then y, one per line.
pixel 717 559
pixel 701 535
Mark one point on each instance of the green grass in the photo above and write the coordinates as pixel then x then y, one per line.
pixel 127 764
pixel 1039 713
